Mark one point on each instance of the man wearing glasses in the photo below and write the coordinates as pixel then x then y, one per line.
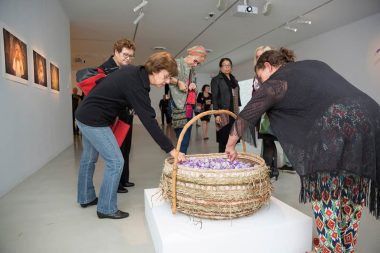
pixel 124 53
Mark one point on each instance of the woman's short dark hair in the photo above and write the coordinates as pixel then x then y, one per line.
pixel 224 59
pixel 275 58
pixel 161 61
pixel 204 87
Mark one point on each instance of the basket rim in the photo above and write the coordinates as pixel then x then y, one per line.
pixel 242 155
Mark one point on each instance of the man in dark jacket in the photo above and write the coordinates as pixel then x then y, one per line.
pixel 124 52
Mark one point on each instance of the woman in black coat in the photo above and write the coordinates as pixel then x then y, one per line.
pixel 330 131
pixel 225 96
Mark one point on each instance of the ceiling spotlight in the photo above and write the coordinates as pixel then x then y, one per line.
pixel 303 21
pixel 221 5
pixel 139 17
pixel 267 8
pixel 290 28
pixel 140 6
pixel 160 48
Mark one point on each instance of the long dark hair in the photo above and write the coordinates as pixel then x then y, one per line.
pixel 275 58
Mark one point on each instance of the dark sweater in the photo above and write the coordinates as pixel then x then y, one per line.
pixel 127 87
pixel 324 123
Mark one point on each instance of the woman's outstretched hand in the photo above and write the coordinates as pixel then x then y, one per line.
pixel 231 153
pixel 181 156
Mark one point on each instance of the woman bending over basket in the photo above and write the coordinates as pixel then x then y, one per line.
pixel 126 87
pixel 330 131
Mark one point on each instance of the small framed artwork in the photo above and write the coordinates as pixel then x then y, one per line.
pixel 40 73
pixel 54 77
pixel 15 57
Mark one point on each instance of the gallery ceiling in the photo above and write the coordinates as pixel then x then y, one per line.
pixel 177 25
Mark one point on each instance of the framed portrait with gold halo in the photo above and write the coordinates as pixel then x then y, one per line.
pixel 40 72
pixel 54 78
pixel 15 54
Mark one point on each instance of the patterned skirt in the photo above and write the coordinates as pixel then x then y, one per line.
pixel 337 203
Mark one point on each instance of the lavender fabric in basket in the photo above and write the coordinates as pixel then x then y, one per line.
pixel 214 163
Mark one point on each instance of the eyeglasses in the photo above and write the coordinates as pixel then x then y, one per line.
pixel 226 65
pixel 128 56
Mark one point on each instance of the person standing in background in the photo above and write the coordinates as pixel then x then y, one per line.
pixel 225 96
pixel 75 100
pixel 124 53
pixel 163 105
pixel 181 88
pixel 204 100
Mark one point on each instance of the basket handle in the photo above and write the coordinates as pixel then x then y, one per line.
pixel 180 138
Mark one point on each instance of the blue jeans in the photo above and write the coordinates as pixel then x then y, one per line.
pixel 186 138
pixel 95 141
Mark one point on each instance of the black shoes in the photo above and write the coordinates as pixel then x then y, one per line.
pixel 128 184
pixel 92 203
pixel 118 215
pixel 121 189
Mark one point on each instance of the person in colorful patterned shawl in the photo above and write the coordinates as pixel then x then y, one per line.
pixel 330 131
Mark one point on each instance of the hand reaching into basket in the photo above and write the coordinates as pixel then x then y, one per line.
pixel 230 147
pixel 231 153
pixel 181 156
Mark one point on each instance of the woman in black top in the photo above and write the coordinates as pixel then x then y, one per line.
pixel 226 96
pixel 330 131
pixel 127 87
pixel 204 100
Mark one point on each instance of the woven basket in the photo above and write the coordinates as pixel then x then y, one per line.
pixel 216 194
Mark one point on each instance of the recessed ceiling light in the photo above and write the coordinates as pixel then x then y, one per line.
pixel 208 50
pixel 303 21
pixel 159 48
pixel 290 28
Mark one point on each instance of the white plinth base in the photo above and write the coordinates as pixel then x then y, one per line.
pixel 276 228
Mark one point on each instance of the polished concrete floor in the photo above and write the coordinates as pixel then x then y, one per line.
pixel 41 214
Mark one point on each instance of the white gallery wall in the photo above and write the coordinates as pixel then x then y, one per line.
pixel 351 50
pixel 35 122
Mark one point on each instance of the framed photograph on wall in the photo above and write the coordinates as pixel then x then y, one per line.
pixel 40 72
pixel 15 57
pixel 54 77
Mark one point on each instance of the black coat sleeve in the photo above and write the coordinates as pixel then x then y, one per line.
pixel 141 103
pixel 215 93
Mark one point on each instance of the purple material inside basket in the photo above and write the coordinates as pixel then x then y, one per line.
pixel 215 164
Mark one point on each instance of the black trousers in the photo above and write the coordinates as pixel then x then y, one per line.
pixel 269 150
pixel 168 117
pixel 125 150
pixel 223 134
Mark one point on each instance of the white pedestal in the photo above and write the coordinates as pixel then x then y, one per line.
pixel 274 228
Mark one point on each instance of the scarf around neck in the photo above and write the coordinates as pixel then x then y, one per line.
pixel 232 83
